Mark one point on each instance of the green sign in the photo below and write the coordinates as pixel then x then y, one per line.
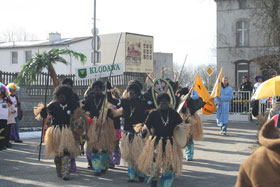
pixel 82 73
pixel 98 71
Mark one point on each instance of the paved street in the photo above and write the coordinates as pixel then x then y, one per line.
pixel 216 163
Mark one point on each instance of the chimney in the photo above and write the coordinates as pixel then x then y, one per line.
pixel 54 37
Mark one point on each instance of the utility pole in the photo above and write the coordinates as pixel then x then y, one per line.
pixel 93 44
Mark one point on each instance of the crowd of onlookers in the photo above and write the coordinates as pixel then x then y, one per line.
pixel 10 114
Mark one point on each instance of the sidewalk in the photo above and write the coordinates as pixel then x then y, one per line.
pixel 216 162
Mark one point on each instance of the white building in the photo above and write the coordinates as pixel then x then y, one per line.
pixel 135 52
pixel 13 55
pixel 239 40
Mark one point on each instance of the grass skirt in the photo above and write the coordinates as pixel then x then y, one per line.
pixel 106 141
pixel 196 128
pixel 131 149
pixel 58 141
pixel 171 159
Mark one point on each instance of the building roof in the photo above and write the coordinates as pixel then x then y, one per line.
pixel 42 43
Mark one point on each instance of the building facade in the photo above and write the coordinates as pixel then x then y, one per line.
pixel 13 55
pixel 135 52
pixel 239 40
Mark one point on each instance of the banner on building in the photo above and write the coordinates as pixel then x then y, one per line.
pixel 139 53
pixel 98 71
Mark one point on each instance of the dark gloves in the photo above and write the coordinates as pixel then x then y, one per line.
pixel 108 85
pixel 144 133
pixel 44 113
pixel 187 121
pixel 130 137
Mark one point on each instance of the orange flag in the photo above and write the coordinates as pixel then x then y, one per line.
pixel 201 89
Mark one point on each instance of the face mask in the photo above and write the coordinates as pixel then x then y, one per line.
pixel 163 105
pixel 97 91
pixel 61 99
pixel 131 94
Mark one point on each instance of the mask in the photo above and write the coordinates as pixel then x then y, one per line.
pixel 164 105
pixel 131 94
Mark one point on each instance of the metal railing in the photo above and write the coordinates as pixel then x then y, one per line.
pixel 241 102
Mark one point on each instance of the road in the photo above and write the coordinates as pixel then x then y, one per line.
pixel 216 162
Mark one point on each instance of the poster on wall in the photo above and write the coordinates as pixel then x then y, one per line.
pixel 99 71
pixel 139 53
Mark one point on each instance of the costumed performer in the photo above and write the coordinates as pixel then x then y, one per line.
pixel 161 155
pixel 134 107
pixel 100 137
pixel 59 139
pixel 190 116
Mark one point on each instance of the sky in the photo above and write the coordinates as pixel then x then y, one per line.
pixel 181 27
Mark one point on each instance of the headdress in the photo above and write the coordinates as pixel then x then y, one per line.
pixel 4 89
pixel 13 87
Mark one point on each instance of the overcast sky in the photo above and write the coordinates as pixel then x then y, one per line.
pixel 179 26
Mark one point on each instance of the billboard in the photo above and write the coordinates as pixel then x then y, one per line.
pixel 139 53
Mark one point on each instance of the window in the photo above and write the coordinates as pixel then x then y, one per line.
pixel 242 4
pixel 242 33
pixel 28 55
pixel 242 70
pixel 14 57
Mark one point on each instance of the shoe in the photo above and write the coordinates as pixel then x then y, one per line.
pixel 18 141
pixel 103 171
pixel 66 178
pixel 141 179
pixel 97 174
pixel 131 180
pixel 189 159
pixel 154 184
pixel 89 166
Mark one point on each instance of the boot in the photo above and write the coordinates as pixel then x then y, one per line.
pixel 65 168
pixel 57 161
pixel 73 165
pixel 141 179
pixel 154 184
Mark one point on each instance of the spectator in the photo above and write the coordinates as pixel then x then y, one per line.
pixel 13 88
pixel 3 115
pixel 11 121
pixel 275 109
pixel 262 168
pixel 245 86
pixel 222 104
pixel 255 104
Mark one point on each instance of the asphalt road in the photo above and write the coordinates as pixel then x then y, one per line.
pixel 216 162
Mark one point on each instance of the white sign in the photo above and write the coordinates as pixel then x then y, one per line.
pixel 98 71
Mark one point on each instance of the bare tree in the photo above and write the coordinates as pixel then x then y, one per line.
pixel 17 35
pixel 189 74
pixel 267 14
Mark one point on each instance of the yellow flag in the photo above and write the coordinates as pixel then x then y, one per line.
pixel 201 89
pixel 217 87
